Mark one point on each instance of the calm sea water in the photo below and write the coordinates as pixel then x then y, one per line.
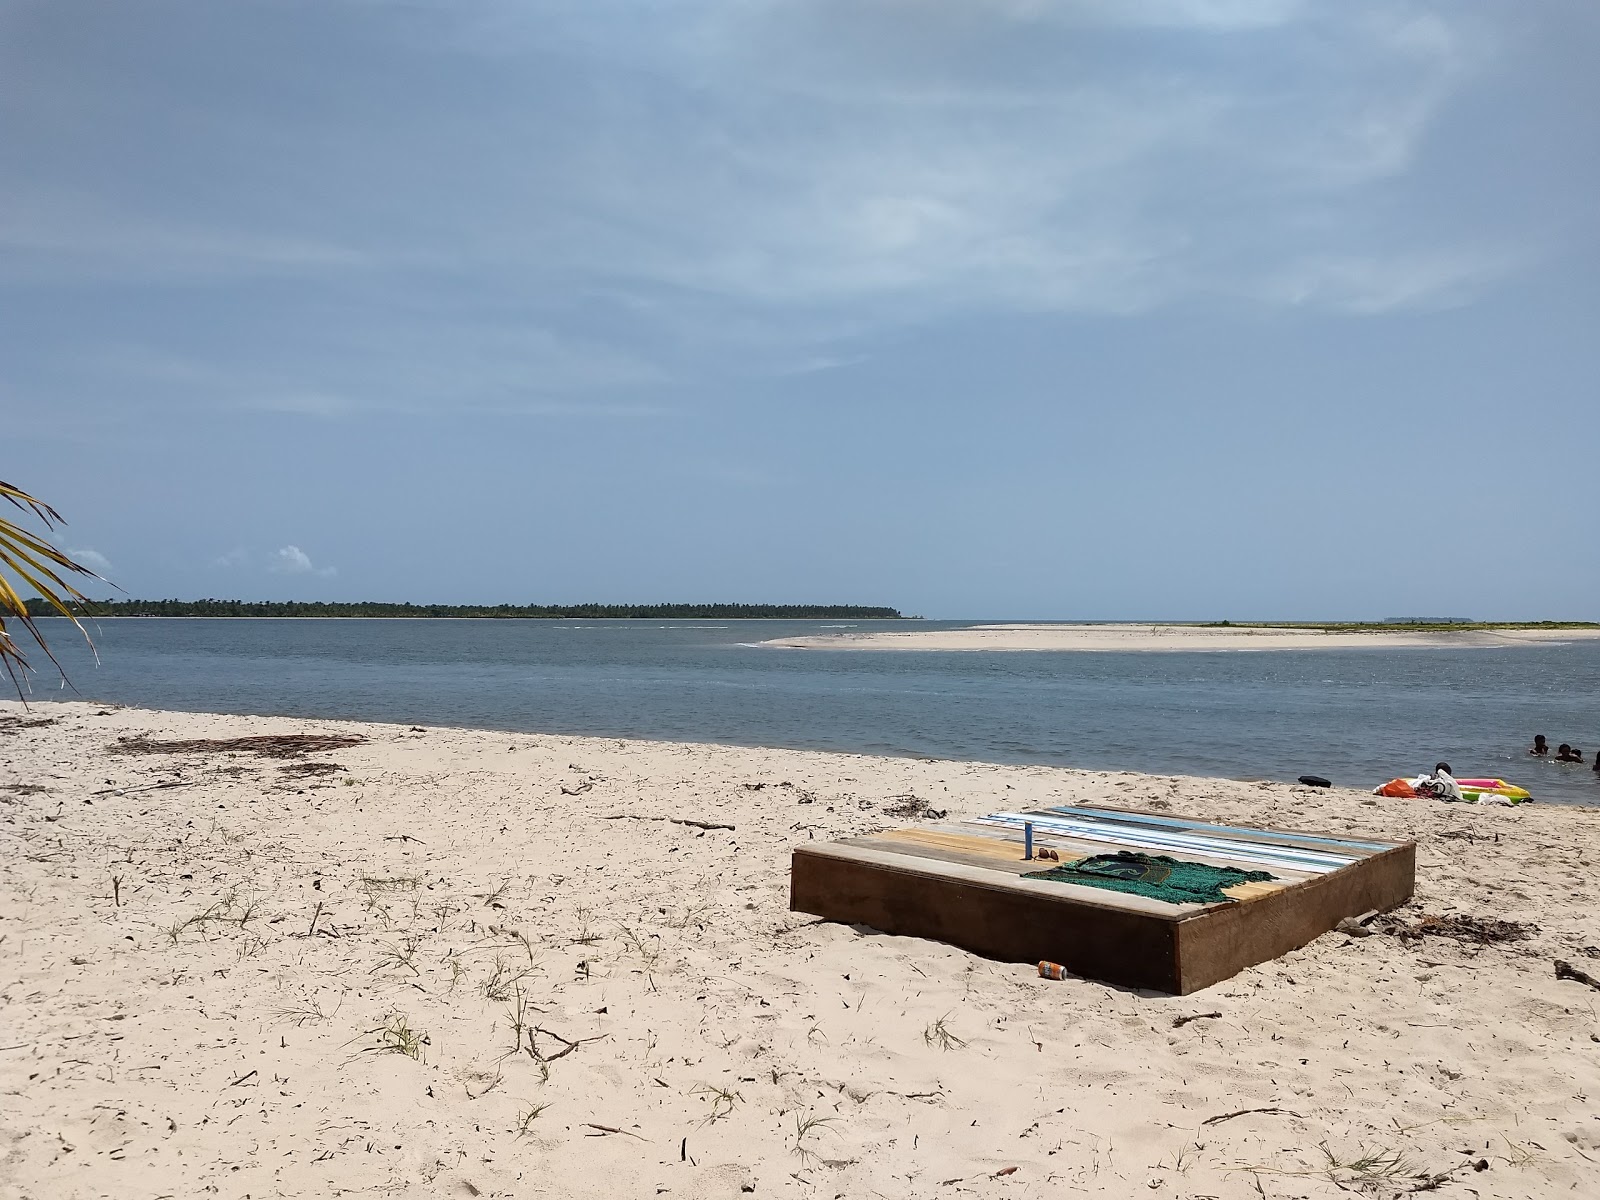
pixel 1358 717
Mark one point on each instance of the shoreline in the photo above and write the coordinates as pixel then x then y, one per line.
pixel 253 950
pixel 1157 638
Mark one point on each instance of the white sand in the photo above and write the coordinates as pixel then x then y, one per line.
pixel 1167 637
pixel 144 1052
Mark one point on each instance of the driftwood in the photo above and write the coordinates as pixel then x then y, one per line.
pixel 1565 970
pixel 1180 1022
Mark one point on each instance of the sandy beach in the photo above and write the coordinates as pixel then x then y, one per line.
pixel 1126 637
pixel 235 975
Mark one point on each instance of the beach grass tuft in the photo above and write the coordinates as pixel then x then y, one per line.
pixel 805 1127
pixel 397 1037
pixel 527 1116
pixel 723 1101
pixel 938 1034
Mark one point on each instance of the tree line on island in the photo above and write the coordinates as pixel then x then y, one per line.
pixel 368 608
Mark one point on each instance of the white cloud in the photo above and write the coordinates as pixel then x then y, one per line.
pixel 237 557
pixel 291 560
pixel 1373 284
pixel 630 198
pixel 93 559
pixel 901 158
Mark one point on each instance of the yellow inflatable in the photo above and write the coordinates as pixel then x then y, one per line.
pixel 1471 789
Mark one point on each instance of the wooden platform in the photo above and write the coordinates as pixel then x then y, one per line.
pixel 962 882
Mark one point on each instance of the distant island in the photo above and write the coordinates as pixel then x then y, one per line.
pixel 369 608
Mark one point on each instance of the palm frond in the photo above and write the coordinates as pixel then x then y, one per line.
pixel 29 558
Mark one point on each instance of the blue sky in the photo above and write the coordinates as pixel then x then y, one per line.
pixel 1076 309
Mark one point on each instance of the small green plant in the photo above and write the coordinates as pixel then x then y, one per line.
pixel 311 1010
pixel 804 1127
pixel 227 909
pixel 502 980
pixel 527 1117
pixel 1517 1156
pixel 939 1035
pixel 251 946
pixel 397 1037
pixel 1367 1170
pixel 641 945
pixel 524 940
pixel 697 914
pixel 1183 1158
pixel 723 1101
pixel 395 955
pixel 518 1022
pixel 586 936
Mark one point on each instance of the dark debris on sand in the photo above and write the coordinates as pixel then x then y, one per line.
pixel 309 770
pixel 1479 931
pixel 912 807
pixel 10 724
pixel 269 745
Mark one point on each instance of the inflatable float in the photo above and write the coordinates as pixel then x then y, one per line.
pixel 1473 791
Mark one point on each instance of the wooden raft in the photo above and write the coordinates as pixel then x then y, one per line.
pixel 961 882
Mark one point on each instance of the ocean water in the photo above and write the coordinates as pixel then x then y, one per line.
pixel 1358 717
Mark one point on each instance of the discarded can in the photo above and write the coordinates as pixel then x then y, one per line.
pixel 1050 970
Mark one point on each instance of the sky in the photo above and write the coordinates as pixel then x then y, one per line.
pixel 1061 309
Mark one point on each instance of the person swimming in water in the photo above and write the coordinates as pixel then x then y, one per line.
pixel 1540 746
pixel 1565 753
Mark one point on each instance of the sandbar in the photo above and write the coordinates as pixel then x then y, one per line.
pixel 1152 637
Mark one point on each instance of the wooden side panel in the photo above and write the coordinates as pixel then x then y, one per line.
pixel 1012 924
pixel 1219 943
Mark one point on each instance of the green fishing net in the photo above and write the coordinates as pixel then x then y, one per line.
pixel 1161 878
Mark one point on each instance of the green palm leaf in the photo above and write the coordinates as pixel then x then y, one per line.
pixel 31 560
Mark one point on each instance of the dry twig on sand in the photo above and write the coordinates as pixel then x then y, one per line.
pixel 1244 1112
pixel 674 820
